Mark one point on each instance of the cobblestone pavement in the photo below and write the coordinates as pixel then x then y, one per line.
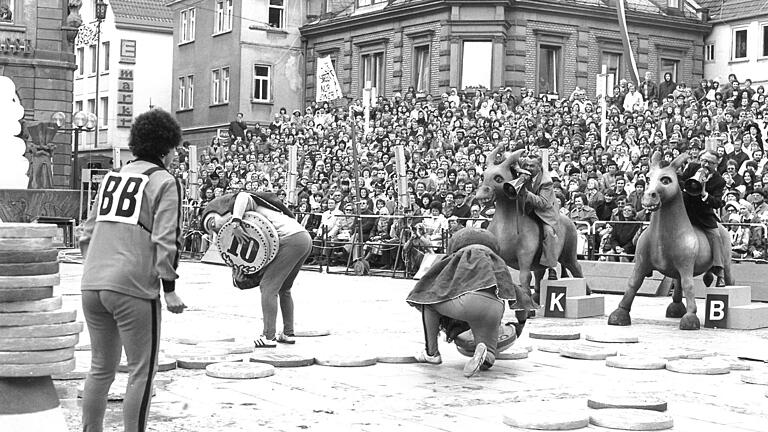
pixel 369 316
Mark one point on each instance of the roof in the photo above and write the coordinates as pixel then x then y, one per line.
pixel 730 10
pixel 346 8
pixel 147 14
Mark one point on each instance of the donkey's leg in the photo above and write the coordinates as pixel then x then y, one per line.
pixel 676 309
pixel 620 316
pixel 690 321
pixel 538 275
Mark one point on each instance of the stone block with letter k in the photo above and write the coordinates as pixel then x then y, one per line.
pixel 567 298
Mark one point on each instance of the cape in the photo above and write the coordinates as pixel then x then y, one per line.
pixel 472 268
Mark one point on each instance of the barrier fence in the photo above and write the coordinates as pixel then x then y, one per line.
pixel 409 238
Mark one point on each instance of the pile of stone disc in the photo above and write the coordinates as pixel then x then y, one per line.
pixel 37 337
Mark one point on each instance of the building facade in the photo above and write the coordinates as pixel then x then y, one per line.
pixel 36 53
pixel 550 46
pixel 232 56
pixel 133 66
pixel 738 42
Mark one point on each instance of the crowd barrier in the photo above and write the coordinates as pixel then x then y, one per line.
pixel 400 256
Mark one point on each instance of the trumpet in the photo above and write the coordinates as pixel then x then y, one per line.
pixel 695 185
pixel 512 187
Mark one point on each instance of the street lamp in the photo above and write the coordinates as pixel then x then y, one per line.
pixel 80 121
pixel 101 15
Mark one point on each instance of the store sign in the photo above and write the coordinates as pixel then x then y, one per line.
pixel 127 51
pixel 125 98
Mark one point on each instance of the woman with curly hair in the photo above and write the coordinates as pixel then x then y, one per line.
pixel 131 244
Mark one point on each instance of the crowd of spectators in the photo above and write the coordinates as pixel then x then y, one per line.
pixel 447 137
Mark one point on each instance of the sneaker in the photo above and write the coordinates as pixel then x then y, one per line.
pixel 423 357
pixel 284 339
pixel 473 365
pixel 263 342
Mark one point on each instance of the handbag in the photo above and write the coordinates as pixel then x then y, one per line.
pixel 246 281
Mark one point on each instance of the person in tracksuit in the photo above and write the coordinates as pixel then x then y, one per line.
pixel 131 244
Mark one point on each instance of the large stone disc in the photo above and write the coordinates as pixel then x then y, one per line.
pixel 44 305
pixel 755 377
pixel 201 362
pixel 554 333
pixel 25 244
pixel 282 359
pixel 587 352
pixel 627 400
pixel 345 360
pixel 630 419
pixel 35 370
pixel 36 357
pixel 543 416
pixel 42 331
pixel 26 257
pixel 38 344
pixel 37 318
pixel 636 362
pixel 29 281
pixel 14 295
pixel 29 269
pixel 27 230
pixel 239 370
pixel 699 367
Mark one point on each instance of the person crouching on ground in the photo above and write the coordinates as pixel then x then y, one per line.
pixel 466 290
pixel 278 275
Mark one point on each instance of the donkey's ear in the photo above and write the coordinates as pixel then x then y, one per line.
pixel 655 158
pixel 680 160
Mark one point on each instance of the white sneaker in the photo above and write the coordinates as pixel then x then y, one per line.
pixel 473 365
pixel 263 342
pixel 423 357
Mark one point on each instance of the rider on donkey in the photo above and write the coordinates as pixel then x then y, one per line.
pixel 701 205
pixel 540 194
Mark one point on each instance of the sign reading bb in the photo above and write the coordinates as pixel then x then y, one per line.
pixel 554 303
pixel 716 311
pixel 120 197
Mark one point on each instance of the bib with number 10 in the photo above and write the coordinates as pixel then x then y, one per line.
pixel 260 249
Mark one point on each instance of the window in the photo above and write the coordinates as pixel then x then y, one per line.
pixel 105 56
pixel 186 92
pixel 421 68
pixel 92 51
pixel 262 76
pixel 709 52
pixel 223 20
pixel 476 63
pixel 6 10
pixel 739 44
pixel 220 86
pixel 361 3
pixel 91 105
pixel 78 106
pixel 549 69
pixel 81 61
pixel 673 4
pixel 612 62
pixel 104 111
pixel 764 52
pixel 372 72
pixel 187 31
pixel 277 13
pixel 671 66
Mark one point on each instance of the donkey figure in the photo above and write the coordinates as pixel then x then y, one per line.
pixel 670 245
pixel 519 233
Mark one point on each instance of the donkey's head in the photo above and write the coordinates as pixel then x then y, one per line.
pixel 662 181
pixel 496 175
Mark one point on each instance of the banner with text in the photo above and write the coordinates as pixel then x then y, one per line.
pixel 328 88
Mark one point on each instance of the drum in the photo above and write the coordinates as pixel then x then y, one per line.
pixel 259 251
